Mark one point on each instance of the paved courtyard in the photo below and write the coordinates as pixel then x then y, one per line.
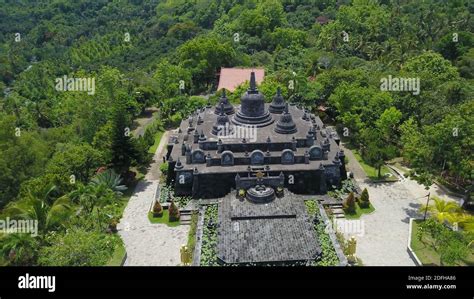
pixel 150 244
pixel 386 230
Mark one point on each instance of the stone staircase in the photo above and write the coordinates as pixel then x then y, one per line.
pixel 337 211
pixel 333 204
pixel 185 218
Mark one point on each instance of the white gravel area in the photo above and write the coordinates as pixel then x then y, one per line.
pixel 384 242
pixel 150 244
pixel 385 238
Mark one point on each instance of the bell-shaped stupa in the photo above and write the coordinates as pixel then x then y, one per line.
pixel 252 109
pixel 278 103
pixel 286 125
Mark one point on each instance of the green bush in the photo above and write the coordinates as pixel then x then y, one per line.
pixel 164 168
pixel 175 120
pixel 78 247
pixel 151 131
pixel 349 204
pixel 166 193
pixel 149 137
pixel 209 238
pixel 192 233
pixel 364 199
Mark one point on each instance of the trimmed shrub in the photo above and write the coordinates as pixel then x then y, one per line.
pixel 113 225
pixel 349 204
pixel 164 168
pixel 364 199
pixel 157 209
pixel 173 212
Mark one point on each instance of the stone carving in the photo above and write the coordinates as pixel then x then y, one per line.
pixel 315 153
pixel 287 157
pixel 257 157
pixel 198 156
pixel 227 158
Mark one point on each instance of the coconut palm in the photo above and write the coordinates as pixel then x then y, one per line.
pixel 443 210
pixel 110 179
pixel 18 249
pixel 92 195
pixel 464 220
pixel 50 213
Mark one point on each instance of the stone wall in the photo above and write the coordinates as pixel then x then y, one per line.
pixel 213 185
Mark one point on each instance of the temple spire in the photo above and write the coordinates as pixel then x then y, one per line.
pixel 253 83
pixel 222 108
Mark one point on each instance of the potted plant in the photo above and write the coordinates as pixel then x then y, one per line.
pixel 157 209
pixel 364 199
pixel 173 212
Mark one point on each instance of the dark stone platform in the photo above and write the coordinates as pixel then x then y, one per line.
pixel 278 231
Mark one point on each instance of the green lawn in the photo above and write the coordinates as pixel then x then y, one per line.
pixel 371 172
pixel 359 212
pixel 425 251
pixel 118 256
pixel 163 219
pixel 192 233
pixel 158 136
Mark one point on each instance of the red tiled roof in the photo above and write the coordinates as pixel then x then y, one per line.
pixel 230 78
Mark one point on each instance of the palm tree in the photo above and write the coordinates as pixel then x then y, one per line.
pixel 466 221
pixel 41 206
pixel 92 195
pixel 110 179
pixel 443 210
pixel 19 249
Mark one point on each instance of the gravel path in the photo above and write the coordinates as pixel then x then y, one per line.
pixel 385 239
pixel 419 190
pixel 143 121
pixel 386 230
pixel 150 244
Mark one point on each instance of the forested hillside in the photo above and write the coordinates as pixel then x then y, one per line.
pixel 145 53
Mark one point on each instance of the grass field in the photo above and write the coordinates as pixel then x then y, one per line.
pixel 371 172
pixel 165 219
pixel 425 251
pixel 118 256
pixel 359 212
pixel 158 136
